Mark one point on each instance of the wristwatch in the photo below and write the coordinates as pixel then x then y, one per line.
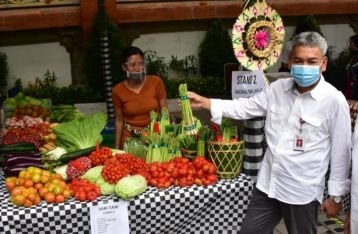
pixel 336 199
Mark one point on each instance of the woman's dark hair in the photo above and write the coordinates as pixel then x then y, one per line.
pixel 129 51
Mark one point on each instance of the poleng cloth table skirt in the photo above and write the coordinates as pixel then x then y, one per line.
pixel 213 209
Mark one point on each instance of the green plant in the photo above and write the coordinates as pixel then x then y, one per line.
pixel 187 66
pixel 215 50
pixel 156 65
pixel 336 73
pixel 4 71
pixel 93 60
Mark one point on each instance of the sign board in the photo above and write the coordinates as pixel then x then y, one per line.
pixel 247 83
pixel 110 218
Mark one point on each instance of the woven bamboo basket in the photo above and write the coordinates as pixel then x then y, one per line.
pixel 227 157
pixel 188 153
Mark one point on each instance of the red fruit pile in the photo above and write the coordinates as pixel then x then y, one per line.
pixel 121 165
pixel 29 134
pixel 84 190
pixel 113 172
pixel 78 167
pixel 100 155
pixel 181 172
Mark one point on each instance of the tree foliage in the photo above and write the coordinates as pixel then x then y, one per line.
pixel 93 59
pixel 215 50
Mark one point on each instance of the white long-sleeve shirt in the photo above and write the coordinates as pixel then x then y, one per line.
pixel 297 177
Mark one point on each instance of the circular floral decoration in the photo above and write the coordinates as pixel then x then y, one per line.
pixel 257 36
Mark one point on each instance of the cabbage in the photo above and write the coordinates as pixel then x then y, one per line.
pixel 130 186
pixel 105 187
pixel 61 170
pixel 93 174
pixel 81 133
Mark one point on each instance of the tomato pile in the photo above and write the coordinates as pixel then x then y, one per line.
pixel 84 190
pixel 100 155
pixel 34 184
pixel 121 165
pixel 181 172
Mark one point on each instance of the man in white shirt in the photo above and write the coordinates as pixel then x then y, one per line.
pixel 351 222
pixel 307 128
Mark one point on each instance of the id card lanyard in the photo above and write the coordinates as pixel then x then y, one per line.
pixel 299 142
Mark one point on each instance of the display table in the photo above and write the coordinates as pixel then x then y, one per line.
pixel 213 209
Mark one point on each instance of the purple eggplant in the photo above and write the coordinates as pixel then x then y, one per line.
pixel 27 154
pixel 15 169
pixel 8 161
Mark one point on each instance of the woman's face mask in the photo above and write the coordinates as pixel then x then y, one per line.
pixel 305 75
pixel 136 76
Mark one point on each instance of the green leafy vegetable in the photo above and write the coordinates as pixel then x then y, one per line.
pixel 81 133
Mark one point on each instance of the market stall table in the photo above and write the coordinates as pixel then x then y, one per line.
pixel 214 209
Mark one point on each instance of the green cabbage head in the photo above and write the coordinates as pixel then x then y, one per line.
pixel 130 186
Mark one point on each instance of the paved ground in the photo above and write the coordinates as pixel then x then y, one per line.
pixel 326 226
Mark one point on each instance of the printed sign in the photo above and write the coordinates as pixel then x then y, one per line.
pixel 247 83
pixel 110 218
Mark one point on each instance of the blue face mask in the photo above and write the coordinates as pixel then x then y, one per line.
pixel 305 75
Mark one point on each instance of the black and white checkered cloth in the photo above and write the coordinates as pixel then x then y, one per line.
pixel 213 209
pixel 255 146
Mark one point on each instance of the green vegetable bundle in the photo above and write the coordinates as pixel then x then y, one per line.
pixel 188 120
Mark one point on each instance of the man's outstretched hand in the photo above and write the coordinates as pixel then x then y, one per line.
pixel 197 101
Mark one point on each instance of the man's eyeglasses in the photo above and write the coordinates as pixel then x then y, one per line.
pixel 134 64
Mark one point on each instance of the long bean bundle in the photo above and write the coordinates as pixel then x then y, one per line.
pixel 188 120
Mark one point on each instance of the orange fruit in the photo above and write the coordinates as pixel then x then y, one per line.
pixel 59 198
pixel 28 183
pixel 10 184
pixel 38 186
pixel 36 178
pixel 37 200
pixel 17 190
pixel 28 203
pixel 67 193
pixel 18 199
pixel 50 197
pixel 42 192
pixel 44 178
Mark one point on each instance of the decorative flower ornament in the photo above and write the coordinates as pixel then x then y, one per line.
pixel 258 36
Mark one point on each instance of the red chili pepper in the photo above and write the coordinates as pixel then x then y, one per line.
pixel 156 127
pixel 218 137
pixel 215 127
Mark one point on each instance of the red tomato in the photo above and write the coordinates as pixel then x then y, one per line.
pixel 91 195
pixel 212 169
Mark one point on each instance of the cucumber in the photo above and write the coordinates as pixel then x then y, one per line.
pixel 17 147
pixel 76 154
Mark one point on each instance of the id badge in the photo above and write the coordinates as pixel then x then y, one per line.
pixel 299 144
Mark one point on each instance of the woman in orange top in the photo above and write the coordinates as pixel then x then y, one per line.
pixel 136 96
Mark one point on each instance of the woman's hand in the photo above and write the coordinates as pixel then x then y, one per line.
pixel 197 101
